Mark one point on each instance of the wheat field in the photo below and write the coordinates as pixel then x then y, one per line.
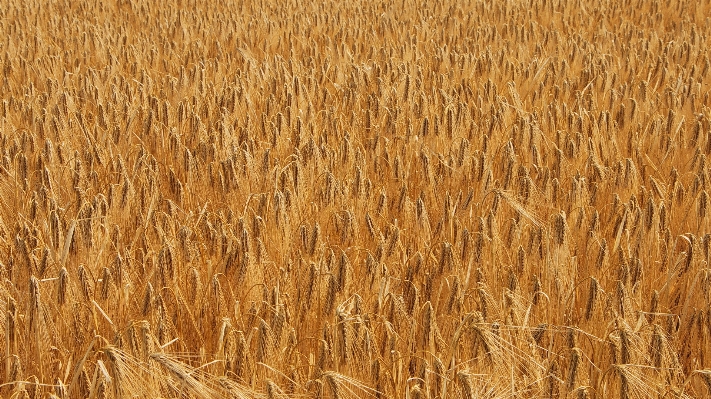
pixel 355 199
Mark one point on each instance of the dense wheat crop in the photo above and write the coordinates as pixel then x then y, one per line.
pixel 356 199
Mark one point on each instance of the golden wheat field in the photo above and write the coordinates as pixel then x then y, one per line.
pixel 355 199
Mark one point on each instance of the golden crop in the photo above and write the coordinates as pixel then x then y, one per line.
pixel 355 199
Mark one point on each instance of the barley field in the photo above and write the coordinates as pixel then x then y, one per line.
pixel 355 199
